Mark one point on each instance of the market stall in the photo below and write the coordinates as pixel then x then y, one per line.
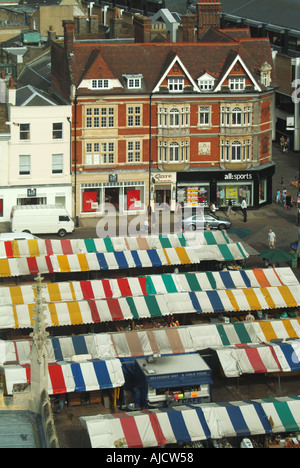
pixel 182 424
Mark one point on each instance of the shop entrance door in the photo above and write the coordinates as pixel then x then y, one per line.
pixel 112 196
pixel 163 196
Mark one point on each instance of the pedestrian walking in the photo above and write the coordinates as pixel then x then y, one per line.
pixel 229 208
pixel 271 239
pixel 282 142
pixel 212 208
pixel 278 196
pixel 244 209
pixel 288 201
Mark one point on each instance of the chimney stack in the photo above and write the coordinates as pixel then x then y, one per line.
pixel 208 14
pixel 69 29
pixel 142 28
pixel 188 28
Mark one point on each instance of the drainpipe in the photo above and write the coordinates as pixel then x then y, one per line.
pixel 75 163
pixel 150 148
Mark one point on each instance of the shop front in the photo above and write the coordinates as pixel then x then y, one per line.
pixel 163 190
pixel 56 194
pixel 218 186
pixel 122 196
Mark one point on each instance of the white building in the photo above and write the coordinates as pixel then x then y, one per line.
pixel 36 167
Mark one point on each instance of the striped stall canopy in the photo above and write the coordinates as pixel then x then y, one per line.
pixel 283 413
pixel 150 285
pixel 184 424
pixel 67 377
pixel 23 266
pixel 236 419
pixel 148 428
pixel 45 247
pixel 128 308
pixel 260 358
pixel 164 341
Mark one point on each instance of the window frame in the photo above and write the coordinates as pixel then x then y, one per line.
pixel 22 164
pixel 24 134
pixel 236 84
pixel 57 131
pixel 176 84
pixel 61 164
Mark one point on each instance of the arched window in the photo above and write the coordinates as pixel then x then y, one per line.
pixel 174 118
pixel 236 151
pixel 236 116
pixel 174 152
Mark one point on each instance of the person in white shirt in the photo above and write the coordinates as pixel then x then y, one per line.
pixel 244 209
pixel 272 239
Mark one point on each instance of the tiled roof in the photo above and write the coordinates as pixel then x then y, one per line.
pixel 4 118
pixel 152 60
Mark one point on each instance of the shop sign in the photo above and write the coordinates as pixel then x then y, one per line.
pixel 31 192
pixel 237 177
pixel 167 178
pixel 113 178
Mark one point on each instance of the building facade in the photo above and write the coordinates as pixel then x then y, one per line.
pixel 37 155
pixel 168 123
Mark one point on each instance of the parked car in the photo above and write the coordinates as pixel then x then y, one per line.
pixel 199 222
pixel 11 236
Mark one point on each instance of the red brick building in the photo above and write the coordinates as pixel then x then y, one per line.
pixel 168 122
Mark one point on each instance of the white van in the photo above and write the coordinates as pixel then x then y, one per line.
pixel 41 219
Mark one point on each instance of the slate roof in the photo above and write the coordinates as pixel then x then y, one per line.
pixel 21 429
pixel 37 72
pixel 277 12
pixel 152 60
pixel 30 96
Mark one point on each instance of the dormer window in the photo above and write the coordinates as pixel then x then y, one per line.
pixel 100 84
pixel 206 82
pixel 134 81
pixel 176 85
pixel 236 84
pixel 265 74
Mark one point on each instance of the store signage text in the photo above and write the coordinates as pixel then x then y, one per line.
pixel 231 176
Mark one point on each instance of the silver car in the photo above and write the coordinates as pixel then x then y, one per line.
pixel 198 222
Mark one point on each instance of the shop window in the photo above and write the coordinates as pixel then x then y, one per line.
pixel 262 191
pixel 234 192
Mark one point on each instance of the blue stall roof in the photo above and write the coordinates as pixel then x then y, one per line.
pixel 179 370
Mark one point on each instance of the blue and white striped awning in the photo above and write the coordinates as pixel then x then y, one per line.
pixel 183 424
pixel 67 377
